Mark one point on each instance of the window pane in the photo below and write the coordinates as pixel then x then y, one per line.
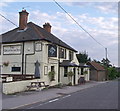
pixel 81 71
pixel 62 53
pixel 38 46
pixel 16 69
pixel 70 55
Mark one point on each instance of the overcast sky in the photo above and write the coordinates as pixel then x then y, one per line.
pixel 100 19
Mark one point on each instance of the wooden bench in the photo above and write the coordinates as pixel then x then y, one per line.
pixel 37 85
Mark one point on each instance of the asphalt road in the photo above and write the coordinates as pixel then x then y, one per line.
pixel 103 96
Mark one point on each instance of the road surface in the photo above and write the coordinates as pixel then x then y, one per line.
pixel 103 96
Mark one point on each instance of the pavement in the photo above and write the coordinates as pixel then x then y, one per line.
pixel 30 97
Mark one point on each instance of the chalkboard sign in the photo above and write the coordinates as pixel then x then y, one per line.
pixel 52 50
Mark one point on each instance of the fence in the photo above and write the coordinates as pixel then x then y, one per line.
pixel 16 77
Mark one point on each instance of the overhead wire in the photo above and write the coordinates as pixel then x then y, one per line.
pixel 78 23
pixel 8 20
pixel 81 26
pixel 69 16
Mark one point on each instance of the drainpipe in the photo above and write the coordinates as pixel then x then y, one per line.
pixel 58 67
pixel 23 58
pixel 59 63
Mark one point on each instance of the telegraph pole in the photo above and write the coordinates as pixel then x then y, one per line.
pixel 106 64
pixel 106 55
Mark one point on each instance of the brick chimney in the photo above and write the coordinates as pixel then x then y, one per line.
pixel 47 27
pixel 23 19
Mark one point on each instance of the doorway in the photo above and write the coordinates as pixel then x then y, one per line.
pixel 74 70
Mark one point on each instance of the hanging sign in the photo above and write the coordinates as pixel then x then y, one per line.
pixel 52 50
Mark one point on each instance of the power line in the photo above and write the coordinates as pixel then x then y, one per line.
pixel 82 28
pixel 78 23
pixel 12 22
pixel 69 16
pixel 8 20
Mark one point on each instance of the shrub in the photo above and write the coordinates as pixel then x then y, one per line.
pixel 51 75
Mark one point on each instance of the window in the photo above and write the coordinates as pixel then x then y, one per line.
pixel 52 68
pixel 0 48
pixel 65 54
pixel 38 46
pixel 62 53
pixel 65 71
pixel 16 69
pixel 71 55
pixel 81 71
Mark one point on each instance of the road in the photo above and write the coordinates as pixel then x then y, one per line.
pixel 103 96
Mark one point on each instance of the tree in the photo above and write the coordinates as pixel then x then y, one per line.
pixel 83 57
pixel 105 62
pixel 112 73
pixel 96 61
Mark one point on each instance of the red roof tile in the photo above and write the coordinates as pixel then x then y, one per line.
pixel 97 66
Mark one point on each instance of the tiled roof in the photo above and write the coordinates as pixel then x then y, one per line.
pixel 97 66
pixel 68 63
pixel 32 33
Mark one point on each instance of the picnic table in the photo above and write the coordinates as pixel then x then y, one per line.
pixel 37 85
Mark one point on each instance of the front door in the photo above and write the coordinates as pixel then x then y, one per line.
pixel 74 75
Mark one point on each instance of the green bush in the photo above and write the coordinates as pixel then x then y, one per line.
pixel 112 73
pixel 70 74
pixel 51 75
pixel 70 84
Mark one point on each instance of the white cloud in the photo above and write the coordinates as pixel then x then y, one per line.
pixel 103 29
pixel 2 4
pixel 107 7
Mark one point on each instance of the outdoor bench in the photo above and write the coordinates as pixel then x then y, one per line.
pixel 37 85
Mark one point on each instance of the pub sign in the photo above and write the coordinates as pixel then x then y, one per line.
pixel 52 50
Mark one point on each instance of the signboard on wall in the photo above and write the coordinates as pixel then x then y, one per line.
pixel 12 49
pixel 52 50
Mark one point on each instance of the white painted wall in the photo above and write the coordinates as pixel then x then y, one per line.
pixel 31 56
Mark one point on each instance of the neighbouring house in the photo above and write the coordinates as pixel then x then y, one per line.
pixel 97 72
pixel 30 52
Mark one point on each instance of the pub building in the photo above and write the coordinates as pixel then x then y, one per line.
pixel 35 51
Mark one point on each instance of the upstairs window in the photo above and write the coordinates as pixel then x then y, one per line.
pixel 62 53
pixel 71 55
pixel 0 48
pixel 38 46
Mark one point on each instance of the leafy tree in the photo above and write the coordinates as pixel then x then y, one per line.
pixel 83 57
pixel 96 61
pixel 106 62
pixel 112 73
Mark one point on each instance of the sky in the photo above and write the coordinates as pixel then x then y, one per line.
pixel 100 19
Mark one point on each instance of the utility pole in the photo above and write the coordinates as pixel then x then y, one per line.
pixel 106 64
pixel 106 55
